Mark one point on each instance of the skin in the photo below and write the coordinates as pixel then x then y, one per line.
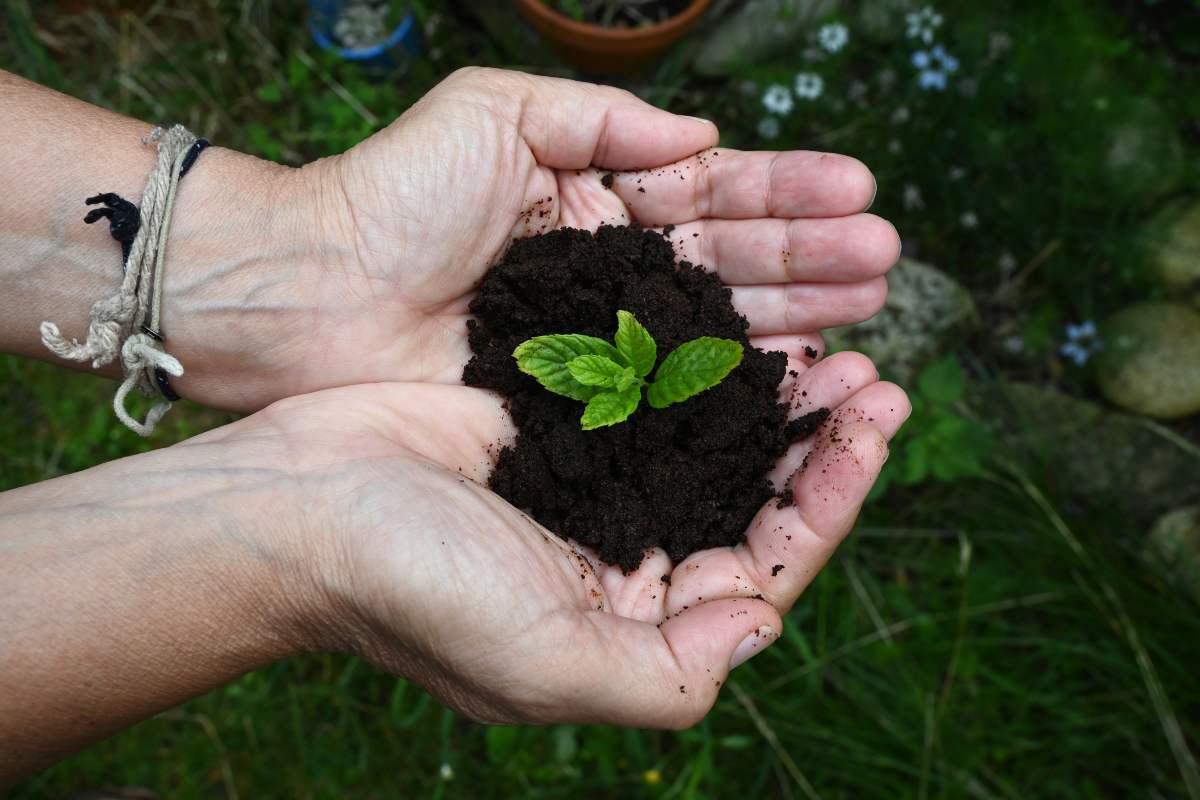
pixel 349 512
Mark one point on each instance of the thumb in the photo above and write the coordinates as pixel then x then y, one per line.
pixel 572 125
pixel 669 676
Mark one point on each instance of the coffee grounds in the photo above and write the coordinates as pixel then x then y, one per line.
pixel 684 478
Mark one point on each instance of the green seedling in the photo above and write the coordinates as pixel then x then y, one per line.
pixel 609 376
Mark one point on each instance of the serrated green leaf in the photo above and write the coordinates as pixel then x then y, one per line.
pixel 595 370
pixel 609 408
pixel 693 367
pixel 546 357
pixel 635 344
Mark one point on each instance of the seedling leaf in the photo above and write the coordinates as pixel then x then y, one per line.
pixel 546 357
pixel 693 367
pixel 635 344
pixel 609 408
pixel 595 371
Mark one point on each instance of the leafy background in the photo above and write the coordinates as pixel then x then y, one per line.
pixel 999 625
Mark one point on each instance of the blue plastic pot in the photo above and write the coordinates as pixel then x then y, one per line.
pixel 402 44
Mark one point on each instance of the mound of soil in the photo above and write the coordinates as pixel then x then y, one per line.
pixel 684 478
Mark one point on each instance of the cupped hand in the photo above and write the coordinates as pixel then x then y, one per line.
pixel 430 575
pixel 401 228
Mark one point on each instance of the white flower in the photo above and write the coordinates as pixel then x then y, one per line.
pixel 922 24
pixel 1007 262
pixel 768 127
pixel 778 100
pixel 809 86
pixel 969 220
pixel 446 772
pixel 856 91
pixel 833 37
pixel 956 173
pixel 901 115
pixel 912 198
pixel 1014 344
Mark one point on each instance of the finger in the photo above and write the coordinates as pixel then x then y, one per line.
pixel 788 544
pixel 637 674
pixel 641 594
pixel 831 382
pixel 765 251
pixel 807 348
pixel 882 404
pixel 787 387
pixel 571 125
pixel 732 184
pixel 800 307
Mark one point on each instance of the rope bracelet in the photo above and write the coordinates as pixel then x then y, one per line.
pixel 129 323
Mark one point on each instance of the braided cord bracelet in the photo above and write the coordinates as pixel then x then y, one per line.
pixel 129 322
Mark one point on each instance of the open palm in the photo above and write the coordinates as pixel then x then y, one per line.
pixel 459 591
pixel 414 216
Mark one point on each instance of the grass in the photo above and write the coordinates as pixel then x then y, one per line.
pixel 986 635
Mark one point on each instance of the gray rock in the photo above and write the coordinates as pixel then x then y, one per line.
pixel 1173 240
pixel 1143 154
pixel 1173 548
pixel 1106 458
pixel 925 306
pixel 760 30
pixel 1150 361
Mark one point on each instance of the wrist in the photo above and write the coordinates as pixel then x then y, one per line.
pixel 242 279
pixel 136 585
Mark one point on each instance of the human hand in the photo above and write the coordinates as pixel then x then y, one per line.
pixel 432 576
pixel 352 519
pixel 378 250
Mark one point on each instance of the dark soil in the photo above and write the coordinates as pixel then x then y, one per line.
pixel 684 478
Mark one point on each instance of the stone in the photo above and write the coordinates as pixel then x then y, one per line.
pixel 1174 250
pixel 925 306
pixel 1104 458
pixel 760 30
pixel 1143 153
pixel 1150 360
pixel 1173 548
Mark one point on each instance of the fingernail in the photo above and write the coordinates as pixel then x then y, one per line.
pixel 705 121
pixel 753 644
pixel 874 193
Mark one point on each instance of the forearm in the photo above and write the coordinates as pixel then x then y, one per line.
pixel 234 241
pixel 133 586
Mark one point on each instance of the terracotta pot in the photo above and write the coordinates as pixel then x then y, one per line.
pixel 609 51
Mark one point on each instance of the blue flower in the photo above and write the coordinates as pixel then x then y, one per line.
pixel 931 79
pixel 1074 352
pixel 934 67
pixel 1082 342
